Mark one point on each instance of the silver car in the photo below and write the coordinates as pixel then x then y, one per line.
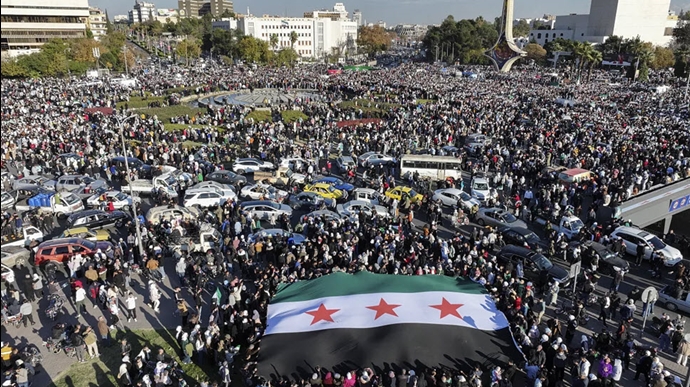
pixel 451 196
pixel 264 209
pixel 498 217
pixel 354 207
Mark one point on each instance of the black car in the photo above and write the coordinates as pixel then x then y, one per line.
pixel 533 264
pixel 97 219
pixel 521 236
pixel 309 201
pixel 608 261
pixel 134 164
pixel 226 177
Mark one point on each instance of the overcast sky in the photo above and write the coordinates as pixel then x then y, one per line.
pixel 392 11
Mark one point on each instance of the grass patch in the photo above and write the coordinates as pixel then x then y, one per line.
pixel 103 370
pixel 260 116
pixel 290 116
pixel 140 102
pixel 165 113
pixel 364 105
pixel 191 145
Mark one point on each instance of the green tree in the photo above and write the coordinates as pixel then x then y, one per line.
pixel 535 52
pixel 645 57
pixel 522 28
pixel 373 39
pixel 227 14
pixel 254 50
pixel 188 48
pixel 681 67
pixel 293 39
pixel 612 45
pixel 13 69
pixel 274 41
pixel 663 58
pixel 286 57
pixel 681 34
pixel 594 57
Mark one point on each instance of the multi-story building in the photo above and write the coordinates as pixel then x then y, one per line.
pixel 197 8
pixel 97 22
pixel 120 19
pixel 648 19
pixel 357 17
pixel 165 15
pixel 225 24
pixel 28 24
pixel 189 8
pixel 219 7
pixel 337 13
pixel 316 37
pixel 142 12
pixel 411 31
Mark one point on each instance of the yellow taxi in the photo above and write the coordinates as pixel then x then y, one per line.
pixel 325 191
pixel 86 233
pixel 402 192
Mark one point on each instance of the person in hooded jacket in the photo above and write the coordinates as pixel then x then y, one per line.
pixel 617 372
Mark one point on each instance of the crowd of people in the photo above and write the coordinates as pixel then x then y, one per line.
pixel 631 141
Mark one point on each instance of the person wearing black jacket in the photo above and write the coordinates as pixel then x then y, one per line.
pixel 78 343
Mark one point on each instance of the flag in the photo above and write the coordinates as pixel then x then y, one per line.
pixel 341 321
pixel 284 22
pixel 217 295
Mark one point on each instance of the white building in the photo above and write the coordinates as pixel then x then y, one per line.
pixel 648 19
pixel 316 37
pixel 97 22
pixel 121 19
pixel 411 31
pixel 225 24
pixel 142 12
pixel 28 24
pixel 357 16
pixel 163 15
pixel 337 13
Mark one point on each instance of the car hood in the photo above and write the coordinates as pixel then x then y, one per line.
pixel 559 273
pixel 618 262
pixel 345 187
pixel 671 253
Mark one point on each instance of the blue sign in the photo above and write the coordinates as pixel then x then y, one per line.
pixel 679 203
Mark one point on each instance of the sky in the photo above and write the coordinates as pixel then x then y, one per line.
pixel 392 11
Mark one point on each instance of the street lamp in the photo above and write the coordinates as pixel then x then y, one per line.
pixel 121 124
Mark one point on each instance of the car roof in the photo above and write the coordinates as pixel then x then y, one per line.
pixel 519 230
pixel 366 190
pixel 516 250
pixel 451 190
pixel 257 203
pixel 59 241
pixel 360 202
pixel 635 231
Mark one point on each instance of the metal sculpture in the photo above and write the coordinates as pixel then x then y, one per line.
pixel 505 52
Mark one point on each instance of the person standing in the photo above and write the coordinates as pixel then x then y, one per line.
pixel 78 343
pixel 605 305
pixel 640 253
pixel 114 308
pixel 26 309
pixel 91 342
pixel 154 296
pixel 79 297
pixel 131 305
pixel 38 286
pixel 103 331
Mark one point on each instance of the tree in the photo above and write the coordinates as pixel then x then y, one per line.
pixel 373 39
pixel 595 57
pixel 254 50
pixel 645 57
pixel 535 52
pixel 293 39
pixel 612 45
pixel 227 14
pixel 663 58
pixel 188 48
pixel 12 69
pixel 81 50
pixel 274 41
pixel 286 57
pixel 681 34
pixel 522 28
pixel 129 58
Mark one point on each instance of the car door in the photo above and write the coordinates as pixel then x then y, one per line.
pixel 62 253
pixel 630 243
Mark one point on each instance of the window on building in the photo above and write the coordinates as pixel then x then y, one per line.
pixel 554 35
pixel 539 35
pixel 668 31
pixel 561 34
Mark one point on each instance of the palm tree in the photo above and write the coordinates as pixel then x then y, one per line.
pixel 595 59
pixel 645 57
pixel 274 41
pixel 293 39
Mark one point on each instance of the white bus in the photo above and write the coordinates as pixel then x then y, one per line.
pixel 435 167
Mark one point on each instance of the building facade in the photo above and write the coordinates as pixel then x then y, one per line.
pixel 189 8
pixel 337 13
pixel 357 17
pixel 97 22
pixel 28 24
pixel 226 24
pixel 316 37
pixel 198 8
pixel 142 12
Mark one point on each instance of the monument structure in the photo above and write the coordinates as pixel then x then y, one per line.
pixel 505 52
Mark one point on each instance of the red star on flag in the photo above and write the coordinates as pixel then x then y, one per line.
pixel 322 314
pixel 447 309
pixel 383 308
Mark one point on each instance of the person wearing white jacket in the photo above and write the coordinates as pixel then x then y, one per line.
pixel 131 306
pixel 155 296
pixel 617 372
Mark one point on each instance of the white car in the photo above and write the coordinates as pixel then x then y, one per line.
pixel 245 165
pixel 632 236
pixel 481 190
pixel 30 181
pixel 452 196
pixel 354 207
pixel 262 191
pixel 214 184
pixel 208 196
pixel 120 200
pixel 7 274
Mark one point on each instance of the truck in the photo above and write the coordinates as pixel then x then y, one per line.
pixel 22 237
pixel 568 224
pixel 61 204
pixel 166 182
pixel 283 176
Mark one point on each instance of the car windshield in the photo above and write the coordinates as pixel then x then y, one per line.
pixel 542 262
pixel 170 181
pixel 531 237
pixel 508 217
pixel 481 186
pixel 71 199
pixel 465 196
pixel 121 196
pixel 412 193
pixel 657 243
pixel 89 244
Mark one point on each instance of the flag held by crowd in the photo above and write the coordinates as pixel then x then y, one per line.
pixel 341 321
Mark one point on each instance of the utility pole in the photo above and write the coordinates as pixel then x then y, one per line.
pixel 124 56
pixel 131 192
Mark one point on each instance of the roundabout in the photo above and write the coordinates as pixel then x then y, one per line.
pixel 259 97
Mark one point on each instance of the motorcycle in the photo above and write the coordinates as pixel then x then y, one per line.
pixel 55 306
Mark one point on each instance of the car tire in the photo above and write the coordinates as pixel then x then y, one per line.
pixel 481 222
pixel 241 171
pixel 671 307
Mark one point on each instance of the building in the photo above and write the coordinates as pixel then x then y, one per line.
pixel 97 22
pixel 357 17
pixel 316 37
pixel 198 8
pixel 120 19
pixel 225 24
pixel 337 13
pixel 651 20
pixel 28 24
pixel 165 15
pixel 142 12
pixel 411 31
pixel 379 23
pixel 189 8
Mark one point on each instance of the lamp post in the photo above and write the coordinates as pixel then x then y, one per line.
pixel 121 124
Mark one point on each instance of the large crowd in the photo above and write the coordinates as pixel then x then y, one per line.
pixel 631 140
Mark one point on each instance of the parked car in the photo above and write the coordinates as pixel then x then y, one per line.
pixel 368 195
pixel 336 183
pixel 374 159
pixel 15 255
pixel 8 200
pixel 264 209
pixel 45 182
pixel 86 233
pixel 401 192
pixel 74 182
pixel 62 249
pixel 135 164
pixel 608 261
pixel 97 219
pixel 309 201
pixel 633 236
pixel 533 264
pixel 481 190
pixel 326 215
pixel 354 207
pixel 120 200
pixel 521 236
pixel 345 163
pixel 672 301
pixel 203 199
pixel 22 237
pixel 326 191
pixel 452 196
pixel 498 217
pixel 8 274
pixel 292 238
pixel 245 165
pixel 262 191
pixel 157 214
pixel 226 177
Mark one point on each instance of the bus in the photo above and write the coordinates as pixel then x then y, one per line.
pixel 434 167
